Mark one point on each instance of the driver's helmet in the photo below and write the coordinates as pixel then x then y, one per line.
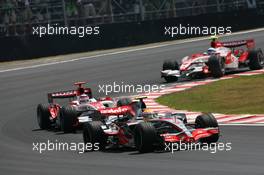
pixel 148 114
pixel 214 38
pixel 211 51
pixel 84 99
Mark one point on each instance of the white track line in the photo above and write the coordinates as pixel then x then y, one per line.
pixel 127 51
pixel 254 119
pixel 241 124
pixel 228 118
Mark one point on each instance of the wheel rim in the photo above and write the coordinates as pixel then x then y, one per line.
pixel 58 121
pixel 138 140
pixel 222 66
pixel 261 59
pixel 38 116
pixel 87 137
pixel 198 125
pixel 62 121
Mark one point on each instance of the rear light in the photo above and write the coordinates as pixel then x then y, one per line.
pixel 191 140
pixel 205 70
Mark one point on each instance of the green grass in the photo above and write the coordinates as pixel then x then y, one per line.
pixel 243 95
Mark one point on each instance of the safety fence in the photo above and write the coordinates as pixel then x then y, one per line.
pixel 17 17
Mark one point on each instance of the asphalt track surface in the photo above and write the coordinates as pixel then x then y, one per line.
pixel 22 90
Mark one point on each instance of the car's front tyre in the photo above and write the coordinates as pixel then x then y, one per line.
pixel 170 65
pixel 145 137
pixel 207 120
pixel 216 66
pixel 94 134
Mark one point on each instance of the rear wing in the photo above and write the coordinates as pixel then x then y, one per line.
pixel 67 94
pixel 249 43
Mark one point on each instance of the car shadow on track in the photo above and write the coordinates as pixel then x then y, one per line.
pixel 130 150
pixel 242 70
pixel 54 130
pixel 115 150
pixel 119 150
pixel 154 152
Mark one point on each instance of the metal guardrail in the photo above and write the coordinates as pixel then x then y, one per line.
pixel 19 20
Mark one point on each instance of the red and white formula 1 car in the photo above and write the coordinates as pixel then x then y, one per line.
pixel 81 108
pixel 220 58
pixel 151 131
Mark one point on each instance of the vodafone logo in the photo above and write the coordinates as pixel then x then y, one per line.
pixel 118 110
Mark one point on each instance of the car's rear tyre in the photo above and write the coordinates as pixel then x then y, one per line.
pixel 124 102
pixel 94 134
pixel 68 117
pixel 256 59
pixel 170 65
pixel 43 116
pixel 216 66
pixel 145 137
pixel 207 121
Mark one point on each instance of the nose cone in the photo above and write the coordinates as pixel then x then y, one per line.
pixel 184 66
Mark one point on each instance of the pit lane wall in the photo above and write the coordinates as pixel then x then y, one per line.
pixel 121 35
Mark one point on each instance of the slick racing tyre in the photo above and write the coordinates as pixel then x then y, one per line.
pixel 124 102
pixel 207 121
pixel 256 59
pixel 216 66
pixel 68 117
pixel 43 116
pixel 170 65
pixel 145 137
pixel 94 134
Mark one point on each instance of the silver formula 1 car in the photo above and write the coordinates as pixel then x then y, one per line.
pixel 151 131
